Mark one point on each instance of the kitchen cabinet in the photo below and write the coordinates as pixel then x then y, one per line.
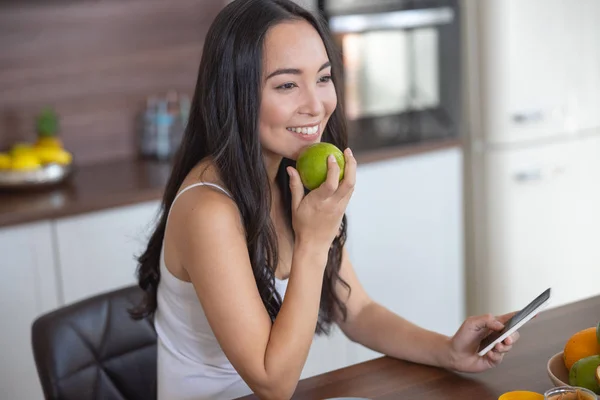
pixel 521 47
pixel 586 256
pixel 97 251
pixel 405 240
pixel 537 66
pixel 583 63
pixel 542 225
pixel 28 289
pixel 49 264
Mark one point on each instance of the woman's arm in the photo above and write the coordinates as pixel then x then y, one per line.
pixel 377 328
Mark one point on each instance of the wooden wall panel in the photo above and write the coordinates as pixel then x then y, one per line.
pixel 96 62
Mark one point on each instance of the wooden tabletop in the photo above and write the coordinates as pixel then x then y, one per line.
pixel 524 368
pixel 130 181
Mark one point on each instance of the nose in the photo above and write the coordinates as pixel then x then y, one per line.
pixel 312 103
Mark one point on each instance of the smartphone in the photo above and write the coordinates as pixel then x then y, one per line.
pixel 520 318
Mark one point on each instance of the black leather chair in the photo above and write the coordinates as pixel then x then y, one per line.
pixel 93 350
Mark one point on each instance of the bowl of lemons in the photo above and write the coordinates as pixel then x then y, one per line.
pixel 41 163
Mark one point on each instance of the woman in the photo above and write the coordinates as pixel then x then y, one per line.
pixel 244 267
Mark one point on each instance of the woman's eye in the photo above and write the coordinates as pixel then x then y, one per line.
pixel 287 86
pixel 325 79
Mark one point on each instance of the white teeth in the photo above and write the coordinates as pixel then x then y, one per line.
pixel 305 131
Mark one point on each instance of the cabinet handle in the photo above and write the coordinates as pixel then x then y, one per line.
pixel 528 176
pixel 528 117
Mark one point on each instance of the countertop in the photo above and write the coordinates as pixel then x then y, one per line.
pixel 129 181
pixel 524 368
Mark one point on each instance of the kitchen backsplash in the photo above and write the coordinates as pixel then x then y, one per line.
pixel 96 63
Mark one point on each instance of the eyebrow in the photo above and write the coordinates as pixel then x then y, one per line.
pixel 294 71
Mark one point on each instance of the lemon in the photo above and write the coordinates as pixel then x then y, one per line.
pixel 25 162
pixel 62 157
pixel 49 142
pixel 48 154
pixel 5 161
pixel 21 148
pixel 312 164
pixel 583 373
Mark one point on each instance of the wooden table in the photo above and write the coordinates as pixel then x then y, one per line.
pixel 524 368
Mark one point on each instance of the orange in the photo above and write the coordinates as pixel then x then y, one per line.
pixel 582 344
pixel 521 395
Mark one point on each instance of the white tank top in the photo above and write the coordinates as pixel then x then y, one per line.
pixel 191 364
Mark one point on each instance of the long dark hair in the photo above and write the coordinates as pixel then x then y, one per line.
pixel 223 125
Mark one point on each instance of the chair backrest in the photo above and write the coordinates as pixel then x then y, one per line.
pixel 94 350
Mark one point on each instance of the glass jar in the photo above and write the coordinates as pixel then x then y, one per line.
pixel 569 393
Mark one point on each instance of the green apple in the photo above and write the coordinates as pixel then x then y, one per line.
pixel 583 373
pixel 312 164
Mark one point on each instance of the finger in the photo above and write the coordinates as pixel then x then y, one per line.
pixel 296 187
pixel 483 324
pixel 504 318
pixel 502 348
pixel 331 183
pixel 494 357
pixel 347 185
pixel 512 339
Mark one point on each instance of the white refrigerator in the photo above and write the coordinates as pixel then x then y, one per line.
pixel 532 151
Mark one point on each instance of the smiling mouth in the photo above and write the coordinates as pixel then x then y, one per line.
pixel 305 130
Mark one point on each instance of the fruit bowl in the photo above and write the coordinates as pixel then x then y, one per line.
pixel 47 175
pixel 557 372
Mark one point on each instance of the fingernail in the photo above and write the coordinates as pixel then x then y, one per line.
pixel 350 152
pixel 331 158
pixel 289 171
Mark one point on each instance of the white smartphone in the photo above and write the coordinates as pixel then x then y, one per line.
pixel 520 318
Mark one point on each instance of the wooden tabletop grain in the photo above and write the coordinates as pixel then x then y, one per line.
pixel 524 368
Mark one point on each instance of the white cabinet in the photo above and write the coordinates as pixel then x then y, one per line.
pixel 517 52
pixel 529 227
pixel 97 251
pixel 586 257
pixel 542 226
pixel 405 239
pixel 583 63
pixel 535 64
pixel 49 264
pixel 27 289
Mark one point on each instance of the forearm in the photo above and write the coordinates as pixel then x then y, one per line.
pixel 294 328
pixel 383 331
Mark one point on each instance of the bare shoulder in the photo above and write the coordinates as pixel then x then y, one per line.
pixel 209 203
pixel 204 208
pixel 203 220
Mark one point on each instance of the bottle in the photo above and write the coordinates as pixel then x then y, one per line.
pixel 180 123
pixel 147 126
pixel 164 121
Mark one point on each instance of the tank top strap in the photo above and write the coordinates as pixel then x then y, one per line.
pixel 201 184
